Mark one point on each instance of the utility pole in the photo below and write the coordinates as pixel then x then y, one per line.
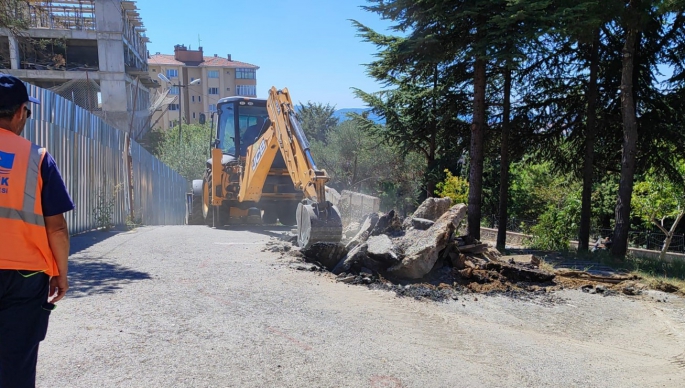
pixel 180 98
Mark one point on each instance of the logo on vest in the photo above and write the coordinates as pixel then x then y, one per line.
pixel 6 164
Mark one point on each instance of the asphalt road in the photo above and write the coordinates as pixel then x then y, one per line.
pixel 191 306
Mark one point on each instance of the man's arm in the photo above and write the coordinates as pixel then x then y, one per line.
pixel 58 237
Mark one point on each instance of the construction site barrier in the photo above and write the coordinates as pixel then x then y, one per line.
pixel 109 176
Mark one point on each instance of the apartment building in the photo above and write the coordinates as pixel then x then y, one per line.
pixel 90 51
pixel 219 77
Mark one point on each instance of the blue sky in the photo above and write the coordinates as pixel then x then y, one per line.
pixel 308 46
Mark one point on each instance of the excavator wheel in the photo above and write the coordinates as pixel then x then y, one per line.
pixel 207 208
pixel 270 215
pixel 195 217
pixel 287 213
pixel 314 226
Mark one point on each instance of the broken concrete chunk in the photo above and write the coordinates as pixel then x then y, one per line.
pixel 387 224
pixel 421 223
pixel 364 232
pixel 354 256
pixel 422 253
pixel 328 254
pixel 351 230
pixel 381 248
pixel 432 209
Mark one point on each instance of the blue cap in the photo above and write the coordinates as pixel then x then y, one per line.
pixel 13 92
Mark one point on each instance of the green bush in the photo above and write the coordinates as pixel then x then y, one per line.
pixel 454 187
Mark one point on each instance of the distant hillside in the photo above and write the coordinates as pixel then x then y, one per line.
pixel 341 114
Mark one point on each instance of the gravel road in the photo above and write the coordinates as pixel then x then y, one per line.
pixel 192 306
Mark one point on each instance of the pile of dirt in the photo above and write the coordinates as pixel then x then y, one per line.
pixel 422 257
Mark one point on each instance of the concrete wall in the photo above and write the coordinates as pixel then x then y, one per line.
pixel 353 206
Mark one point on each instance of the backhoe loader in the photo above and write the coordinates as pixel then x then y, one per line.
pixel 262 171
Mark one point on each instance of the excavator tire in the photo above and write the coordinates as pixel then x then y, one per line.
pixel 270 216
pixel 195 217
pixel 314 226
pixel 207 208
pixel 287 213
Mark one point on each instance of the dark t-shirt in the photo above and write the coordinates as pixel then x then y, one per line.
pixel 54 195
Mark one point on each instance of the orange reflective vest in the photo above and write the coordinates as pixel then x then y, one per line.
pixel 23 239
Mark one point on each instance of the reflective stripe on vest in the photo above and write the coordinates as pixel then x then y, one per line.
pixel 32 173
pixel 28 217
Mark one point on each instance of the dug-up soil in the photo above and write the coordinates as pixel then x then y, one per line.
pixel 424 258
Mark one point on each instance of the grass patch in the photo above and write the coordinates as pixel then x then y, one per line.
pixel 657 274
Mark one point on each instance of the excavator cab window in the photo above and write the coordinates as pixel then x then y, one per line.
pixel 226 129
pixel 240 123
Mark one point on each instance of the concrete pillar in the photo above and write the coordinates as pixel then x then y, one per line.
pixel 15 58
pixel 113 80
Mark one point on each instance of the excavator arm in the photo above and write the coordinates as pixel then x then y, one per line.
pixel 317 219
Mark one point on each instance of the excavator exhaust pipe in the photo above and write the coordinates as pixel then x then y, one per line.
pixel 317 225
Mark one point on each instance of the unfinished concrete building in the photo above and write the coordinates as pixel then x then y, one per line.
pixel 92 52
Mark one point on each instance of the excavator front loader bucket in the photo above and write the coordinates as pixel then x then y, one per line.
pixel 318 225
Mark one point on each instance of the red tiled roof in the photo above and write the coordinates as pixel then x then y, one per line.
pixel 223 62
pixel 167 59
pixel 163 59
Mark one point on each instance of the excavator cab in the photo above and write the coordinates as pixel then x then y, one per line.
pixel 239 122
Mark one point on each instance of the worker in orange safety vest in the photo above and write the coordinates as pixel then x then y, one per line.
pixel 34 238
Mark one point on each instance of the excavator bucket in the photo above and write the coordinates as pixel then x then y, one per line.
pixel 318 225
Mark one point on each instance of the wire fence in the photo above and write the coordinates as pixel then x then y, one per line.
pixel 644 239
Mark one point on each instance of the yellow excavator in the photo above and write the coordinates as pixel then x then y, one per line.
pixel 262 171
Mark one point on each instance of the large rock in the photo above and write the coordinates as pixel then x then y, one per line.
pixel 433 208
pixel 423 249
pixel 420 223
pixel 388 223
pixel 382 249
pixel 351 230
pixel 353 257
pixel 328 254
pixel 364 232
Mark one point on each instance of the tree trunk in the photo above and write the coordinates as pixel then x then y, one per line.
pixel 619 246
pixel 504 168
pixel 588 178
pixel 476 154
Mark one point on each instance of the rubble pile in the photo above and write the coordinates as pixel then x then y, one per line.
pixel 424 248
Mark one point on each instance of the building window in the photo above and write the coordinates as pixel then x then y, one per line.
pixel 193 98
pixel 199 98
pixel 212 107
pixel 212 73
pixel 172 73
pixel 173 107
pixel 193 114
pixel 171 124
pixel 173 90
pixel 246 90
pixel 213 90
pixel 245 73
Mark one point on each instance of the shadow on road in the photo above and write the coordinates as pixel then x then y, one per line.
pixel 83 241
pixel 90 276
